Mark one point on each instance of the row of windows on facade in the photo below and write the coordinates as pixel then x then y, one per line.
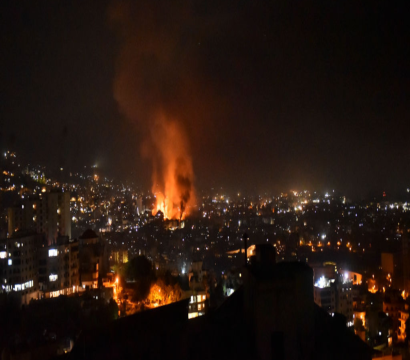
pixel 18 287
pixel 196 307
pixel 197 298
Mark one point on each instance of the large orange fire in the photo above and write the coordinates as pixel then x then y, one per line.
pixel 151 89
pixel 173 173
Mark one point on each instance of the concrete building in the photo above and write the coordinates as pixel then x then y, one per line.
pixel 29 269
pixel 197 276
pixel 325 296
pixel 47 214
pixel 20 217
pixel 196 291
pixel 59 268
pixel 272 316
pixel 18 266
pixel 120 256
pixel 344 300
pixel 335 296
pixel 197 302
pixel 393 303
pixel 92 260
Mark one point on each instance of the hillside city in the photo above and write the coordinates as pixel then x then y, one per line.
pixel 79 250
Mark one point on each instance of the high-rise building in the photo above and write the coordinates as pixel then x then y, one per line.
pixel 18 266
pixel 48 214
pixel 58 268
pixel 335 296
pixel 29 269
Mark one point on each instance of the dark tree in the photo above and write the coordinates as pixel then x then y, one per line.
pixel 139 269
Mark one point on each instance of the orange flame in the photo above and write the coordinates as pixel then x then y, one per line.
pixel 173 172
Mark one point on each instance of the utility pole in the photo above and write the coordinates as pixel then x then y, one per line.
pixel 245 244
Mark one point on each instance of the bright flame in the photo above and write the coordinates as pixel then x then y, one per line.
pixel 151 89
pixel 173 172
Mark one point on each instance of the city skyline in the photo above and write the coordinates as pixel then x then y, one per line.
pixel 204 179
pixel 271 97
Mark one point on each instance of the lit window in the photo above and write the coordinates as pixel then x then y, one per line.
pixel 53 277
pixel 198 298
pixel 10 262
pixel 192 299
pixel 199 306
pixel 203 297
pixel 52 252
pixel 3 254
pixel 192 315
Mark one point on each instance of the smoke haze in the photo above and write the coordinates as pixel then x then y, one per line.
pixel 149 83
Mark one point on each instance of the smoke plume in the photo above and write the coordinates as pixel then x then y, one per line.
pixel 149 86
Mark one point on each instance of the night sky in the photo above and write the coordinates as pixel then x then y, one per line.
pixel 273 95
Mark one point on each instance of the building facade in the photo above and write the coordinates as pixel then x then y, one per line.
pixel 48 214
pixel 18 266
pixel 59 268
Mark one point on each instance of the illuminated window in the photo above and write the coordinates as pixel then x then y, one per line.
pixel 198 298
pixel 192 315
pixel 192 299
pixel 203 297
pixel 52 252
pixel 3 254
pixel 53 277
pixel 199 307
pixel 27 285
pixel 10 262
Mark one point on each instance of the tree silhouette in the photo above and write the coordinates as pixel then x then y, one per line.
pixel 139 269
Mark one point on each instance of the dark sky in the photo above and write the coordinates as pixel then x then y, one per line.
pixel 272 95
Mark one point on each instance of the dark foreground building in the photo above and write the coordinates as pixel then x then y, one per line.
pixel 272 316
